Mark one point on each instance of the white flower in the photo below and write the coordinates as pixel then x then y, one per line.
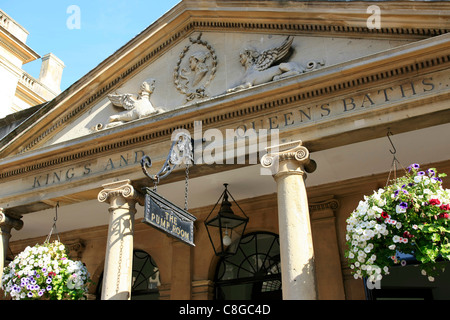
pixel 377 209
pixel 369 233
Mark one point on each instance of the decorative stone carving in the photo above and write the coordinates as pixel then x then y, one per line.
pixel 288 151
pixel 76 248
pixel 135 107
pixel 267 65
pixel 122 189
pixel 195 69
pixel 329 204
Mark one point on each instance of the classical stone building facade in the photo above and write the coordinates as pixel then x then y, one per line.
pixel 319 83
pixel 19 90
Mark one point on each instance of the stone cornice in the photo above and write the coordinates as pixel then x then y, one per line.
pixel 317 18
pixel 400 63
pixel 17 47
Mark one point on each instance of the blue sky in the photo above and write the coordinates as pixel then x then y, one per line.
pixel 104 27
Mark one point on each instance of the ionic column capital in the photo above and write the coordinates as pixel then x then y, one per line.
pixel 123 189
pixel 277 158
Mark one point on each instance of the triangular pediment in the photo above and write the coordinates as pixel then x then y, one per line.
pixel 195 53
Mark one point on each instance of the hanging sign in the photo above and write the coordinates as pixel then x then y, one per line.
pixel 167 217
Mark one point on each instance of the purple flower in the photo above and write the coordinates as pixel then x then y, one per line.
pixel 403 205
pixel 30 294
pixel 431 172
pixel 49 288
pixel 421 173
pixel 396 192
pixel 49 280
pixel 413 166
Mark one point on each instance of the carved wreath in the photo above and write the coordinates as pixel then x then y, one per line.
pixel 193 77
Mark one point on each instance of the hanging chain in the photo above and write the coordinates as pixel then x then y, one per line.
pixel 186 187
pixel 54 225
pixel 394 159
pixel 155 183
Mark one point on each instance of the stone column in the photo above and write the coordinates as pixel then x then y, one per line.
pixel 6 224
pixel 288 165
pixel 122 198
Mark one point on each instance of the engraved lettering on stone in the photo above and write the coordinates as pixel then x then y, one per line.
pixel 268 65
pixel 195 69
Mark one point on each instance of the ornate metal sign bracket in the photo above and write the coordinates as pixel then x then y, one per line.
pixel 180 151
pixel 161 213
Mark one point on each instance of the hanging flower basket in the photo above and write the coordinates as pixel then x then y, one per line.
pixel 44 272
pixel 409 216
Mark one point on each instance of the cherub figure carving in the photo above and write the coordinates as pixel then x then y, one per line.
pixel 135 107
pixel 262 67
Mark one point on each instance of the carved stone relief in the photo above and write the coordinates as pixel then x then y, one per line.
pixel 195 69
pixel 136 106
pixel 265 66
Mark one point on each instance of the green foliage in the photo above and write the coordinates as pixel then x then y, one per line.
pixel 45 272
pixel 410 215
